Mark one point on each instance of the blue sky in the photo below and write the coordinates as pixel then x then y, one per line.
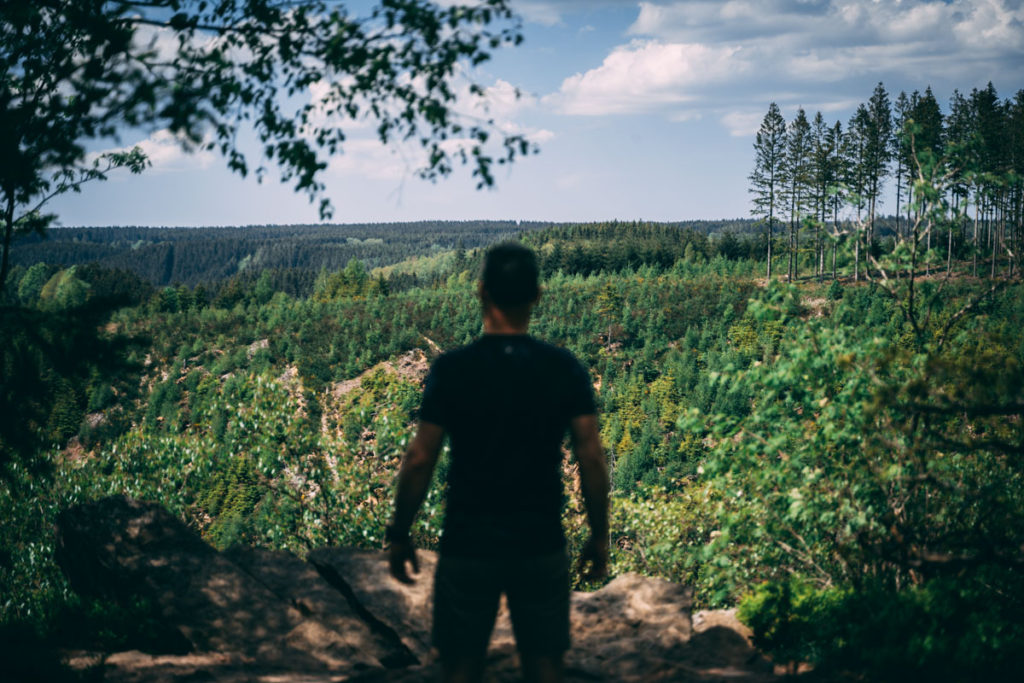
pixel 642 110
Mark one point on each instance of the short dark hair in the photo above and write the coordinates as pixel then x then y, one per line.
pixel 510 275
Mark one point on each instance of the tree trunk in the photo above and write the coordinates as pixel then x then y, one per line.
pixel 856 252
pixel 789 271
pixel 974 255
pixel 949 241
pixel 871 229
pixel 899 186
pixel 820 250
pixel 5 260
pixel 835 241
pixel 835 248
pixel 928 248
pixel 995 242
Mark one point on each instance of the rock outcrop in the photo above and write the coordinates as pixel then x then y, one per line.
pixel 249 614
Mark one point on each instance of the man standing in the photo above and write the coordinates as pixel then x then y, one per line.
pixel 506 402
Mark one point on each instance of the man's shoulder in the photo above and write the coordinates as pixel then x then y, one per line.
pixel 453 359
pixel 480 347
pixel 454 355
pixel 554 351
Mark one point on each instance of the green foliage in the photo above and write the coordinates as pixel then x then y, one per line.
pixel 352 282
pixel 32 282
pixel 63 291
pixel 835 291
pixel 946 629
pixel 655 531
pixel 47 361
pixel 858 444
pixel 873 461
pixel 32 586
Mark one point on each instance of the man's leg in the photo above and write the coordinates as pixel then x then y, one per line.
pixel 538 602
pixel 541 668
pixel 462 669
pixel 466 595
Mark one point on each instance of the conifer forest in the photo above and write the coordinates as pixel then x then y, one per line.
pixel 814 413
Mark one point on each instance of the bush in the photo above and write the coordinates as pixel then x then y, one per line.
pixel 655 531
pixel 877 462
pixel 835 291
pixel 942 630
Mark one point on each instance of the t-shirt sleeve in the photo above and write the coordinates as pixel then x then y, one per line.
pixel 434 406
pixel 581 391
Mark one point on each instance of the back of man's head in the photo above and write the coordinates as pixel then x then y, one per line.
pixel 510 276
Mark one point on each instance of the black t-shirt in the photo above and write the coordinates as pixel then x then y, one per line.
pixel 506 402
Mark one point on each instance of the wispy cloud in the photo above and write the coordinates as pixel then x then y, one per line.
pixel 645 75
pixel 167 152
pixel 554 12
pixel 852 35
pixel 719 58
pixel 501 104
pixel 740 123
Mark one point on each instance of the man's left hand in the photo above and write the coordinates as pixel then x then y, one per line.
pixel 399 553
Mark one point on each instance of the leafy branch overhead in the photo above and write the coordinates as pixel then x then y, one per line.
pixel 291 72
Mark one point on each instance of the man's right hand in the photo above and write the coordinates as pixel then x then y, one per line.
pixel 400 553
pixel 586 444
pixel 593 563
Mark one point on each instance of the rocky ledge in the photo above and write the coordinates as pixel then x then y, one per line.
pixel 257 615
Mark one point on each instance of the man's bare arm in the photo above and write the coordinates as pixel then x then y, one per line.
pixel 586 445
pixel 413 481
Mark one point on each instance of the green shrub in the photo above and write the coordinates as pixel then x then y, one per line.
pixel 942 630
pixel 835 291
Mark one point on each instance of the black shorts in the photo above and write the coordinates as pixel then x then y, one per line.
pixel 466 595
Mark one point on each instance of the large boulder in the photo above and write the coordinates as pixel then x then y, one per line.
pixel 249 614
pixel 125 550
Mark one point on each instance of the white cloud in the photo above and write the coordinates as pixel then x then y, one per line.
pixel 686 115
pixel 646 75
pixel 743 123
pixel 788 26
pixel 503 104
pixel 991 23
pixel 167 152
pixel 362 153
pixel 716 57
pixel 543 13
pixel 367 157
pixel 553 12
pixel 503 100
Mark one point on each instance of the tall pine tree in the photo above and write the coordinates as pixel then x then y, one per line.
pixel 766 178
pixel 877 151
pixel 857 135
pixel 796 174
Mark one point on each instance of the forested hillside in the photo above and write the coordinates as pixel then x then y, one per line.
pixel 190 256
pixel 279 421
pixel 164 256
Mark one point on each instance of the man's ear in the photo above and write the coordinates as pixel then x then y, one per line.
pixel 481 293
pixel 536 299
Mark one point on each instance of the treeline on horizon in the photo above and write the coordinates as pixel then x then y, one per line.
pixel 820 184
pixel 584 249
pixel 190 256
pixel 210 255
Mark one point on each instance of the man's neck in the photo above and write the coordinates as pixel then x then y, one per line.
pixel 495 322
